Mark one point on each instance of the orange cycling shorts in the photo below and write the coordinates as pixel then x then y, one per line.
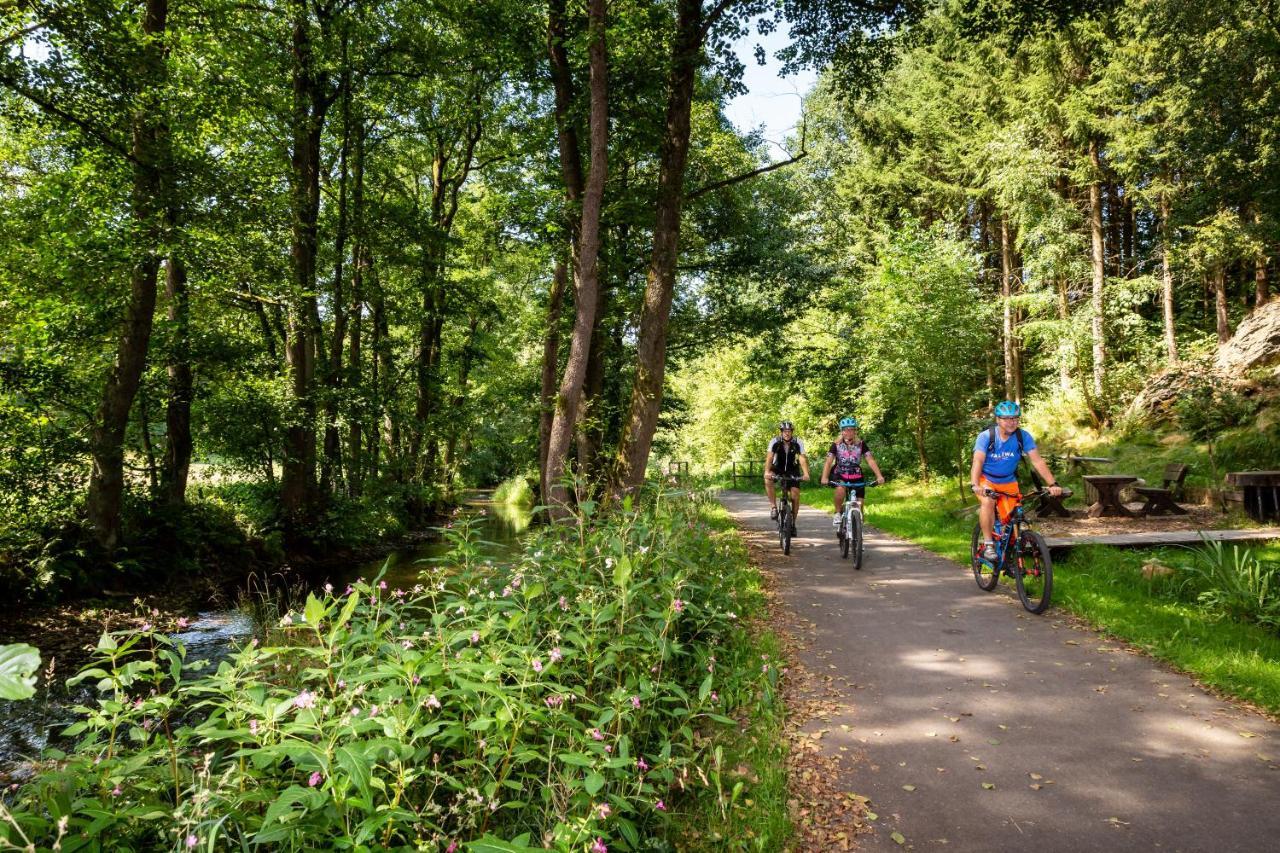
pixel 1010 494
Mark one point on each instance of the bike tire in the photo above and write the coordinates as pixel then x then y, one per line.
pixel 784 529
pixel 844 539
pixel 1033 572
pixel 855 534
pixel 984 573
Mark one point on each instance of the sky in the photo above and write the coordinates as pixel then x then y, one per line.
pixel 771 100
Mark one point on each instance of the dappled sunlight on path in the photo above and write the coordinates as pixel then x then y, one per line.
pixel 973 725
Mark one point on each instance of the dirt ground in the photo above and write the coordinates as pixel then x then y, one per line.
pixel 1197 518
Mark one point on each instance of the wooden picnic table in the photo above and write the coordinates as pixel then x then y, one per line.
pixel 1261 492
pixel 1108 487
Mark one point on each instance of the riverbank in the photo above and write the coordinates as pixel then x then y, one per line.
pixel 592 690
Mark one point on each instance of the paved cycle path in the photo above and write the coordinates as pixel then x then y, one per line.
pixel 947 689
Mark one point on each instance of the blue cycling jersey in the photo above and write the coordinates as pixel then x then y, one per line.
pixel 1001 464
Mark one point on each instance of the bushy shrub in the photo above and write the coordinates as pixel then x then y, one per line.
pixel 562 701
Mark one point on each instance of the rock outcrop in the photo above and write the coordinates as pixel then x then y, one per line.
pixel 1256 343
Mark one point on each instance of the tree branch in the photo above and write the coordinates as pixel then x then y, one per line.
pixel 736 179
pixel 52 109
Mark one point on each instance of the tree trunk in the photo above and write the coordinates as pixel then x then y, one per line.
pixel 1099 273
pixel 589 432
pixel 298 486
pixel 105 496
pixel 465 359
pixel 359 262
pixel 1066 347
pixel 331 462
pixel 178 448
pixel 550 365
pixel 1006 298
pixel 1166 283
pixel 588 283
pixel 1114 216
pixel 646 392
pixel 1221 316
pixel 1261 286
pixel 1129 265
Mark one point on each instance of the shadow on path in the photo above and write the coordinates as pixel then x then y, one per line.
pixel 1013 731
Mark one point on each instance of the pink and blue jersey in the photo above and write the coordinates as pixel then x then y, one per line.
pixel 1001 464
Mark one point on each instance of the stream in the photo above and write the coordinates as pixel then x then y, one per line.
pixel 28 727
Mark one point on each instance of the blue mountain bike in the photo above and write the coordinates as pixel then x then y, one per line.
pixel 1021 553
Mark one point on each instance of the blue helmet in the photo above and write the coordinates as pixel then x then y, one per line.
pixel 1008 409
pixel 848 422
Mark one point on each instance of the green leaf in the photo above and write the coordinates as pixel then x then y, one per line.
pixel 314 611
pixel 622 571
pixel 356 767
pixel 107 643
pixel 18 662
pixel 489 844
pixel 705 690
pixel 576 758
pixel 593 783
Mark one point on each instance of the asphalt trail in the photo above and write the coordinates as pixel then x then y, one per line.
pixel 1086 746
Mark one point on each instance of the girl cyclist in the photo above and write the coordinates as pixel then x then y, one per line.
pixel 843 468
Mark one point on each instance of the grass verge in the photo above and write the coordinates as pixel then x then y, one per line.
pixel 1107 587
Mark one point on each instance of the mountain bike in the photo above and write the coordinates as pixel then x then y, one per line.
pixel 849 533
pixel 786 516
pixel 1021 553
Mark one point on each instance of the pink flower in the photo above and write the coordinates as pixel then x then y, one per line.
pixel 253 727
pixel 660 806
pixel 677 605
pixel 506 590
pixel 182 622
pixel 537 665
pixel 315 779
pixel 715 697
pixel 564 605
pixel 599 846
pixel 192 841
pixel 305 699
pixel 554 701
pixel 596 734
pixel 555 655
pixel 475 637
pixel 373 710
pixel 640 762
pixel 417 679
pixel 432 702
pixel 406 644
pixel 328 589
pixel 452 848
pixel 398 592
pixel 603 810
pixel 635 701
pixel 382 584
pixel 115 792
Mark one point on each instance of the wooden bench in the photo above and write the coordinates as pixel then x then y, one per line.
pixel 1160 501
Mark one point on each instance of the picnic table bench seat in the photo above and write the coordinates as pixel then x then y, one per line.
pixel 1163 499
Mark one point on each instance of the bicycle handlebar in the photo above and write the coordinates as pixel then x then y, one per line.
pixel 992 493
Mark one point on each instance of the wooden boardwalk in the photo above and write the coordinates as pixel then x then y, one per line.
pixel 1156 538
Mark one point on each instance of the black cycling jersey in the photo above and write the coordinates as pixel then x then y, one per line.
pixel 786 456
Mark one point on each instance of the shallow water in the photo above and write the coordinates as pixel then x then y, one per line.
pixel 27 728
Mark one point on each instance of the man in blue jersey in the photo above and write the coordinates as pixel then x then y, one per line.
pixel 996 454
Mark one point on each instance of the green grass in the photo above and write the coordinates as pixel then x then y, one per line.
pixel 1104 586
pixel 755 816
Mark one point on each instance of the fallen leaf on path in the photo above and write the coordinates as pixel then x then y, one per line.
pixel 989 786
pixel 898 838
pixel 908 788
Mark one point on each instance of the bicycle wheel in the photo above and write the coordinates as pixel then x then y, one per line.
pixel 844 536
pixel 984 573
pixel 855 535
pixel 1033 572
pixel 784 528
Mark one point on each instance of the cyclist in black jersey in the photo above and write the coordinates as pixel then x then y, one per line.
pixel 843 468
pixel 785 458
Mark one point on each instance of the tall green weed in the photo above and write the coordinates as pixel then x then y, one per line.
pixel 568 700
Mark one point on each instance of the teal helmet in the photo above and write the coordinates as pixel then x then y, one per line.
pixel 848 422
pixel 1008 409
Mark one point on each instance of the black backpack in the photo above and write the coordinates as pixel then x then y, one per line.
pixel 993 441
